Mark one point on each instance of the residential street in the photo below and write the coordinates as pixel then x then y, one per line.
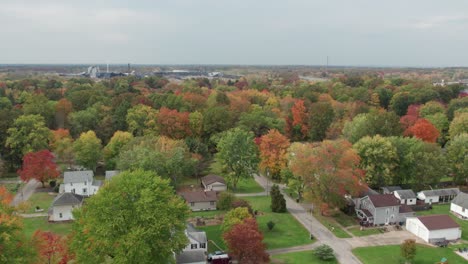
pixel 24 193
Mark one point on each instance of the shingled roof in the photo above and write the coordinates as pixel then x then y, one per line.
pixel 441 192
pixel 78 176
pixel 437 222
pixel 67 199
pixel 461 200
pixel 192 256
pixel 209 179
pixel 200 196
pixel 406 194
pixel 384 200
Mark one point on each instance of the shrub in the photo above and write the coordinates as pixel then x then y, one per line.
pixel 52 184
pixel 408 250
pixel 242 203
pixel 324 252
pixel 278 203
pixel 270 225
pixel 225 201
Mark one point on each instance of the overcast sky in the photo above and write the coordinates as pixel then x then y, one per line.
pixel 358 32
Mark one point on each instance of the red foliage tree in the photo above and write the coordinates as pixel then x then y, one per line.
pixel 245 244
pixel 296 124
pixel 40 166
pixel 273 152
pixel 51 247
pixel 173 124
pixel 424 130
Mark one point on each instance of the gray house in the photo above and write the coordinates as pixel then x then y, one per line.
pixel 201 200
pixel 438 195
pixel 196 249
pixel 214 183
pixel 382 209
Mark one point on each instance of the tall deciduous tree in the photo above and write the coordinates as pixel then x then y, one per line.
pixel 141 120
pixel 234 217
pixel 62 146
pixel 320 118
pixel 62 109
pixel 88 150
pixel 273 152
pixel 296 124
pixel 458 159
pixel 173 124
pixel 238 152
pixel 424 130
pixel 459 124
pixel 136 218
pixel 378 159
pixel 28 134
pixel 51 247
pixel 329 169
pixel 112 150
pixel 40 166
pixel 244 242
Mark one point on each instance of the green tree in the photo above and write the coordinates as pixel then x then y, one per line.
pixel 234 217
pixel 238 153
pixel 136 218
pixel 430 167
pixel 456 104
pixel 320 118
pixel 216 119
pixel 370 124
pixel 141 120
pixel 431 108
pixel 278 203
pixel 400 102
pixel 378 159
pixel 408 250
pixel 440 121
pixel 112 150
pixel 28 134
pixel 225 201
pixel 84 120
pixel 406 149
pixel 88 150
pixel 324 252
pixel 457 157
pixel 260 120
pixel 459 124
pixel 38 104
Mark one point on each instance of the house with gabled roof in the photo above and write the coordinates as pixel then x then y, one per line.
pixel 63 205
pixel 200 200
pixel 214 183
pixel 438 195
pixel 434 228
pixel 407 197
pixel 459 205
pixel 80 182
pixel 196 249
pixel 382 209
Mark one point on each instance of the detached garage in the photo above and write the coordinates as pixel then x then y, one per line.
pixel 434 228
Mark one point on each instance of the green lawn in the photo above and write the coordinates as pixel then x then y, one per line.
pixel 207 214
pixel 41 199
pixel 299 257
pixel 248 185
pixel 288 232
pixel 365 232
pixel 213 233
pixel 344 219
pixel 392 255
pixel 36 223
pixel 331 224
pixel 12 187
pixel 445 209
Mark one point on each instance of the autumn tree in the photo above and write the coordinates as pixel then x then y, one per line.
pixel 173 124
pixel 329 169
pixel 113 148
pixel 424 130
pixel 52 248
pixel 40 166
pixel 136 218
pixel 62 109
pixel 88 150
pixel 245 243
pixel 234 217
pixel 296 124
pixel 459 124
pixel 238 153
pixel 141 120
pixel 273 152
pixel 62 146
pixel 28 134
pixel 408 250
pixel 38 104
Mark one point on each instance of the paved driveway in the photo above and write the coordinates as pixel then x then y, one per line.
pixel 24 193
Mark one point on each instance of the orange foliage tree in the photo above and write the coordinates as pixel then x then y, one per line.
pixel 273 152
pixel 244 241
pixel 5 196
pixel 329 171
pixel 296 123
pixel 63 109
pixel 51 247
pixel 173 124
pixel 424 130
pixel 40 166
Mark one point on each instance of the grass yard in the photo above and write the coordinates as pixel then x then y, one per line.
pixel 207 214
pixel 299 257
pixel 213 233
pixel 41 199
pixel 331 224
pixel 365 232
pixel 445 209
pixel 36 223
pixel 344 219
pixel 288 232
pixel 12 187
pixel 248 185
pixel 392 255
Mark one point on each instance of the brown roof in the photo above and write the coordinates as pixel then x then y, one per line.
pixel 384 200
pixel 209 179
pixel 200 196
pixel 405 209
pixel 437 222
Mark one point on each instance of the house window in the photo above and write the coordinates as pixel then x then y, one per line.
pixel 73 190
pixel 192 204
pixel 60 215
pixel 211 203
pixel 84 190
pixel 387 210
pixel 85 183
pixel 463 210
pixel 202 245
pixel 193 246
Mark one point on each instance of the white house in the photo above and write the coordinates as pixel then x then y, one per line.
pixel 459 205
pixel 80 182
pixel 196 249
pixel 407 197
pixel 438 195
pixel 434 228
pixel 63 205
pixel 214 183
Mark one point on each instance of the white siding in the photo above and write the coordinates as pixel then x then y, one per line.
pixel 198 247
pixel 81 188
pixel 416 227
pixel 65 211
pixel 202 206
pixel 217 186
pixel 428 199
pixel 449 234
pixel 459 210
